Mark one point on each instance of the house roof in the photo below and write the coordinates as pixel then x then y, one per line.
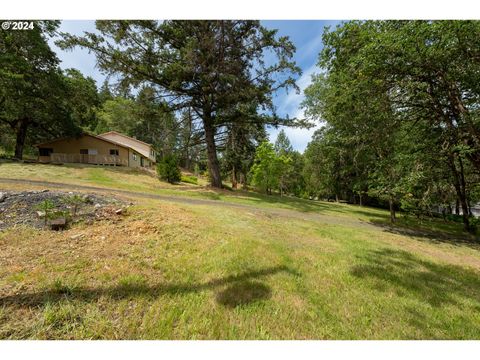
pixel 125 136
pixel 130 142
pixel 84 134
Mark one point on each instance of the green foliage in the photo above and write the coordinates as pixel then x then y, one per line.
pixel 265 169
pixel 190 179
pixel 34 93
pixel 83 99
pixel 178 58
pixel 402 114
pixel 167 169
pixel 117 114
pixel 75 201
pixel 196 170
pixel 269 170
pixel 47 206
pixel 282 144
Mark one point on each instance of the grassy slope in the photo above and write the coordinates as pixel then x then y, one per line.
pixel 134 180
pixel 169 271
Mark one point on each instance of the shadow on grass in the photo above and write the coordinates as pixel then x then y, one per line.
pixel 240 290
pixel 294 203
pixel 412 277
pixel 434 236
pixel 243 293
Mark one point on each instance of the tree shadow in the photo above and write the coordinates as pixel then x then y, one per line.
pixel 412 277
pixel 243 293
pixel 430 236
pixel 295 203
pixel 241 290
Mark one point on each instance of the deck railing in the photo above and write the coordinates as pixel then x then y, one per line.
pixel 88 159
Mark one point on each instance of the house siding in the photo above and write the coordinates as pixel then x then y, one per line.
pixel 73 146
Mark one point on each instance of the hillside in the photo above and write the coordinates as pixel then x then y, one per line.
pixel 231 265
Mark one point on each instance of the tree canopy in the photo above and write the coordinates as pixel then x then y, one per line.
pixel 215 68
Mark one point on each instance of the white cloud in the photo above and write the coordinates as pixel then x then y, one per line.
pixel 290 104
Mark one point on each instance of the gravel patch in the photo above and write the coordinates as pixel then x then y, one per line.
pixel 22 208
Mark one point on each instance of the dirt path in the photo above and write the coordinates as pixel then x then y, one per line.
pixel 323 218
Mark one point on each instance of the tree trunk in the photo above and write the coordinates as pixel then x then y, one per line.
pixel 392 210
pixel 463 199
pixel 360 199
pixel 460 188
pixel 212 160
pixel 457 207
pixel 336 198
pixel 234 178
pixel 243 181
pixel 21 136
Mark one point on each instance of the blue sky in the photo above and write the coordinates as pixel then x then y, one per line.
pixel 306 35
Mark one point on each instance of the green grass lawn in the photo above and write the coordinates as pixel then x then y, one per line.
pixel 139 181
pixel 169 271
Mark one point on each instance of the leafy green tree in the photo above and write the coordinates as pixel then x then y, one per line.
pixel 168 169
pixel 242 138
pixel 83 99
pixel 33 91
pixel 156 123
pixel 211 67
pixel 265 170
pixel 295 180
pixel 117 114
pixel 325 162
pixel 399 96
pixel 282 144
pixel 284 150
pixel 269 169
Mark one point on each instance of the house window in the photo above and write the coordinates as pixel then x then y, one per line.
pixel 84 151
pixel 134 156
pixel 114 152
pixel 45 151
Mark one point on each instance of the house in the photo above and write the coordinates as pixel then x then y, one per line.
pixel 111 148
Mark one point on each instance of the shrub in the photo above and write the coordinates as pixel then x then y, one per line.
pixel 47 206
pixel 167 169
pixel 74 201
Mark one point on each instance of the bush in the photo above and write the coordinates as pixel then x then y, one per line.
pixel 190 179
pixel 167 169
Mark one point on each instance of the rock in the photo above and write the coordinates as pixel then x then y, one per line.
pixel 119 211
pixel 102 238
pixel 77 236
pixel 40 214
pixel 3 196
pixel 97 206
pixel 45 190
